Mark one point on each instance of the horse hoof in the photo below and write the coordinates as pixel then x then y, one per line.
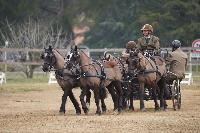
pixel 103 112
pixel 115 112
pixel 98 113
pixel 131 109
pixel 120 110
pixel 157 109
pixel 61 113
pixel 78 113
pixel 143 110
pixel 162 108
pixel 86 111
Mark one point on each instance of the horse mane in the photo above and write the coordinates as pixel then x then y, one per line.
pixel 85 54
pixel 57 52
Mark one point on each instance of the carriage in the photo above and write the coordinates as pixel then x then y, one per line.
pixel 103 76
pixel 172 91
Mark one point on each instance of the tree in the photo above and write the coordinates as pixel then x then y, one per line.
pixel 33 34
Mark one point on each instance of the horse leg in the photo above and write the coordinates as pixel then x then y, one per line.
pixel 75 103
pixel 83 103
pixel 96 97
pixel 155 87
pixel 120 95
pixel 88 96
pixel 130 95
pixel 141 93
pixel 131 107
pixel 103 105
pixel 111 90
pixel 102 95
pixel 64 99
pixel 125 96
pixel 162 85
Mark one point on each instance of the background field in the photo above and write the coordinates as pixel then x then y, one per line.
pixel 33 105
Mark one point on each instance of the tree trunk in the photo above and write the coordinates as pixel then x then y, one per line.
pixel 29 71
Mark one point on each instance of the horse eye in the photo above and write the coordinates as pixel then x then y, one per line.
pixel 42 56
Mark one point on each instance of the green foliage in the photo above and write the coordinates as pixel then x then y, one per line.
pixel 113 22
pixel 171 19
pixel 17 10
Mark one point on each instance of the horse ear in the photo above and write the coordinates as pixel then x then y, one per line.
pixel 109 57
pixel 50 47
pixel 75 48
pixel 131 54
pixel 137 50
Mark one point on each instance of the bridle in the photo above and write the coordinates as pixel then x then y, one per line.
pixel 51 61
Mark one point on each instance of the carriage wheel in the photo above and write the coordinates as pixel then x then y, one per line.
pixel 176 95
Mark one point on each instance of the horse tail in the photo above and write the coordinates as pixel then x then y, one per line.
pixel 102 93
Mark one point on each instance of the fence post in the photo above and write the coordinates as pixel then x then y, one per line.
pixel 5 56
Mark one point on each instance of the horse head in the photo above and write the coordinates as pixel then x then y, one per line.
pixel 73 58
pixel 52 59
pixel 48 58
pixel 136 61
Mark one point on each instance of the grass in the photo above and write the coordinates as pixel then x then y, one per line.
pixel 21 78
pixel 17 82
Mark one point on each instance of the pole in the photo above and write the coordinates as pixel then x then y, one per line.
pixel 5 56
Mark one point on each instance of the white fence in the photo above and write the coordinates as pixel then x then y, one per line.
pixel 188 79
pixel 52 78
pixel 2 78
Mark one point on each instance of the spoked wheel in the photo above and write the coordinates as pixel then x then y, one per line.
pixel 176 95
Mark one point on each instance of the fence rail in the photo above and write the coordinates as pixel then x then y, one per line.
pixel 187 49
pixel 6 51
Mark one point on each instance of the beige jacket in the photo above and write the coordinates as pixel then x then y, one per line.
pixel 177 61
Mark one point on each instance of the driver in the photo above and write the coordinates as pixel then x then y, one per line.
pixel 177 62
pixel 148 41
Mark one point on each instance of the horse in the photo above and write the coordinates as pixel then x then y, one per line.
pixel 127 87
pixel 150 72
pixel 96 75
pixel 85 105
pixel 67 79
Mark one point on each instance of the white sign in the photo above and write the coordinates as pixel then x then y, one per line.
pixel 196 44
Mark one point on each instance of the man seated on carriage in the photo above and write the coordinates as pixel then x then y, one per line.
pixel 130 46
pixel 148 43
pixel 177 62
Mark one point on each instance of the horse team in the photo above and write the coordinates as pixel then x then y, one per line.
pixel 111 73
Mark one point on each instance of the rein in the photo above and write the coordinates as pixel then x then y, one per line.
pixel 152 71
pixel 102 74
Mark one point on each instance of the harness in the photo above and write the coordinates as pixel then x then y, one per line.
pixel 101 75
pixel 150 71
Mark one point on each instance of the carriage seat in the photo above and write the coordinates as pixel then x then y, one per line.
pixel 170 77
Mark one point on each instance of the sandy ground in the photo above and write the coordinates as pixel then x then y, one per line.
pixel 37 111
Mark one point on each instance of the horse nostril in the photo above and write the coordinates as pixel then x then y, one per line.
pixel 44 69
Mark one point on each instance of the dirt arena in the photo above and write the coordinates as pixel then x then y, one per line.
pixel 37 111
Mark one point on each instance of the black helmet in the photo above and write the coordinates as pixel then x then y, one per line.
pixel 176 44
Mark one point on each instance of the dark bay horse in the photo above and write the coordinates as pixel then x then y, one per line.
pixel 96 75
pixel 67 79
pixel 150 73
